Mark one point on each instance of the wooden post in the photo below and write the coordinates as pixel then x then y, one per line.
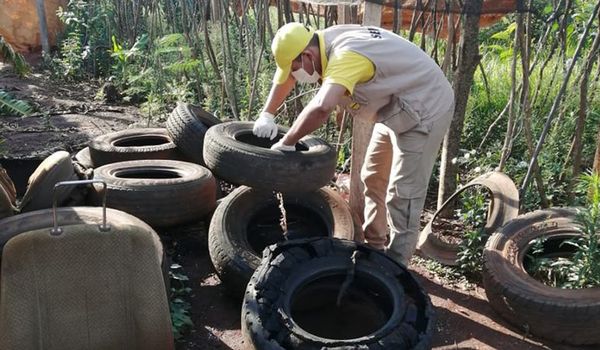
pixel 344 14
pixel 361 132
pixel 41 12
pixel 216 13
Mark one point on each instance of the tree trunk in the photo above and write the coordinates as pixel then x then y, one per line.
pixel 447 63
pixel 41 12
pixel 463 78
pixel 597 155
pixel 555 106
pixel 525 47
pixel 512 106
pixel 361 135
pixel 582 114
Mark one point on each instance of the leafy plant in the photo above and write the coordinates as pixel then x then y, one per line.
pixel 81 47
pixel 585 269
pixel 449 276
pixel 473 214
pixel 10 105
pixel 581 267
pixel 9 55
pixel 180 308
pixel 552 271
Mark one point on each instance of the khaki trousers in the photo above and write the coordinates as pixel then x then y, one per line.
pixel 396 175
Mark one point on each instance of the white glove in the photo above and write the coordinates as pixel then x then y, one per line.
pixel 265 126
pixel 279 146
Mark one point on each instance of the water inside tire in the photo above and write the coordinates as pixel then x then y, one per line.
pixel 263 228
pixel 147 174
pixel 264 142
pixel 365 308
pixel 141 141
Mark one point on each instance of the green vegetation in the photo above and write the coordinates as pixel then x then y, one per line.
pixel 180 307
pixel 161 52
pixel 578 264
pixel 8 54
pixel 473 215
pixel 10 105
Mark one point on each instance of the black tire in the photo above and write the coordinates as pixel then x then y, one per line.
pixel 563 315
pixel 247 220
pixel 40 187
pixel 234 154
pixel 160 192
pixel 504 206
pixel 187 125
pixel 67 216
pixel 290 302
pixel 132 144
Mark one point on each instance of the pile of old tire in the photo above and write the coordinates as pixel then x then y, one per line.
pixel 151 172
pixel 248 219
pixel 504 206
pixel 181 139
pixel 563 315
pixel 334 294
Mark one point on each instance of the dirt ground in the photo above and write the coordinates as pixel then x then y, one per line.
pixel 70 117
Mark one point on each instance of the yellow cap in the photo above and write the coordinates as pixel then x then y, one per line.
pixel 289 42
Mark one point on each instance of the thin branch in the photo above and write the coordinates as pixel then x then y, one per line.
pixel 558 98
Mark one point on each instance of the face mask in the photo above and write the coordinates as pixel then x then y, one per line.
pixel 302 76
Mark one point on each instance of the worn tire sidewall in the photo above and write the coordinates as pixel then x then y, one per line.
pixel 299 171
pixel 519 297
pixel 230 252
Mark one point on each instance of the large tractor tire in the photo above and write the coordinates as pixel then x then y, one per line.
pixel 325 293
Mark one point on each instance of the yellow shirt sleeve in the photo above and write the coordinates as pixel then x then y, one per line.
pixel 348 68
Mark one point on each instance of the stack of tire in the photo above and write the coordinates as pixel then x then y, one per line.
pixel 151 181
pixel 291 294
pixel 155 174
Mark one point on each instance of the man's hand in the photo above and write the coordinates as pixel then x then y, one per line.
pixel 279 146
pixel 265 126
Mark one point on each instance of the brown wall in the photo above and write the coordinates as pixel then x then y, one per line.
pixel 19 24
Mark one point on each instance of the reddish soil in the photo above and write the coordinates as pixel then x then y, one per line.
pixel 464 318
pixel 70 117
